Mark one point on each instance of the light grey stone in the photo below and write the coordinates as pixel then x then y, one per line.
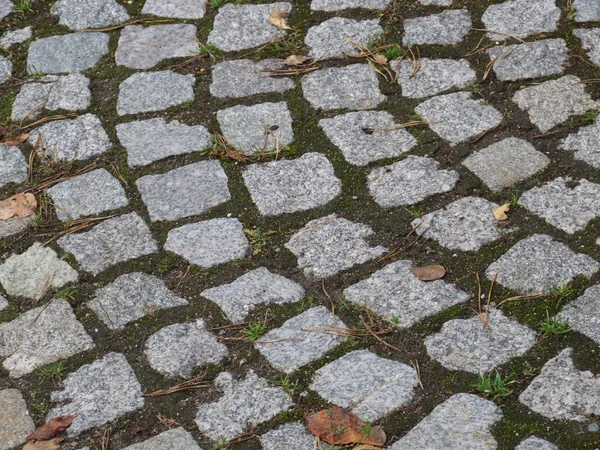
pixel 209 243
pixel 240 27
pixel 98 393
pixel 458 117
pixel 257 287
pixel 530 60
pixel 445 28
pixel 521 18
pixel 33 272
pixel 288 347
pixel 131 297
pixel 330 39
pixel 535 443
pixel 582 313
pixel 338 5
pixel 247 127
pixel 10 38
pixel 463 422
pixel 52 92
pixel 177 9
pixel 563 205
pixel 366 384
pixel 552 102
pixel 6 7
pixel 394 292
pixel 359 137
pixel 5 69
pixel 175 439
pixel 42 336
pixel 3 303
pixel 584 144
pixel 433 77
pixel 15 421
pixel 71 139
pixel 409 181
pixel 180 348
pixel 244 404
pixel 147 141
pixel 186 191
pixel 288 186
pixel 144 47
pixel 244 77
pixel 538 263
pixel 13 167
pixel 590 41
pixel 86 195
pixel 331 244
pixel 352 87
pixel 113 241
pixel 82 14
pixel 586 10
pixel 435 2
pixel 14 225
pixel 506 162
pixel 290 436
pixel 562 392
pixel 154 91
pixel 466 224
pixel 66 53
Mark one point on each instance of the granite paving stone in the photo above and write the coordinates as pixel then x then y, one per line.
pixel 586 10
pixel 244 404
pixel 248 128
pixel 98 393
pixel 331 244
pixel 339 5
pixel 257 287
pixel 435 2
pixel 288 186
pixel 83 14
pixel 6 7
pixel 366 384
pixel 590 41
pixel 337 36
pixel 186 191
pixel 446 28
pixel 458 117
pixel 521 18
pixel 409 181
pixel 364 137
pixel 3 303
pixel 174 439
pixel 177 9
pixel 290 436
pixel 115 240
pixel 240 27
pixel 535 443
pixel 464 421
pixel 584 144
pixel 13 167
pixel 13 37
pixel 396 294
pixel 42 336
pixel 66 53
pixel 14 225
pixel 562 392
pixel 351 87
pixel 582 313
pixel 154 91
pixel 5 69
pixel 289 347
pixel 538 263
pixel 131 297
pixel 506 162
pixel 209 243
pixel 15 421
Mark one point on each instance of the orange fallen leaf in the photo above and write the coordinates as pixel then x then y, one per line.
pixel 500 212
pixel 51 429
pixel 295 60
pixel 16 140
pixel 52 444
pixel 19 205
pixel 429 273
pixel 337 426
pixel 278 19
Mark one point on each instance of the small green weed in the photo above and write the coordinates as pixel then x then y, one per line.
pixel 36 221
pixel 571 13
pixel 259 239
pixel 513 201
pixel 393 52
pixel 415 211
pixel 494 387
pixel 255 331
pixel 554 325
pixel 51 371
pixel 529 370
pixel 286 384
pixel 41 408
pixel 68 293
pixel 560 293
pixel 591 115
pixel 395 320
pixel 23 6
pixel 366 430
pixel 223 444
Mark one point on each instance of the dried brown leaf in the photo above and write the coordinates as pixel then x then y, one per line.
pixel 52 444
pixel 429 273
pixel 337 426
pixel 380 59
pixel 51 429
pixel 15 140
pixel 295 60
pixel 19 205
pixel 500 212
pixel 278 19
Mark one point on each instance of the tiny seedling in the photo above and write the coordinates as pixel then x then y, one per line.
pixel 366 430
pixel 259 239
pixel 554 325
pixel 591 115
pixel 529 370
pixel 560 293
pixel 415 211
pixel 255 331
pixel 68 293
pixel 51 371
pixel 494 386
pixel 393 52
pixel 23 6
pixel 286 384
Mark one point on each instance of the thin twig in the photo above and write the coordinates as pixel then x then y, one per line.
pixel 123 25
pixel 494 128
pixel 189 385
pixel 520 297
pixel 501 33
pixel 417 368
pixel 328 297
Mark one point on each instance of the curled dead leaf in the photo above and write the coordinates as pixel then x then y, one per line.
pixel 19 205
pixel 15 140
pixel 51 429
pixel 429 273
pixel 295 60
pixel 278 18
pixel 380 59
pixel 337 426
pixel 500 212
pixel 52 444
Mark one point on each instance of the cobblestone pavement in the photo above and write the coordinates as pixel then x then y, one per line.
pixel 215 218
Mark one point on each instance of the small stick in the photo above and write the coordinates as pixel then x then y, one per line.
pixel 328 296
pixel 415 364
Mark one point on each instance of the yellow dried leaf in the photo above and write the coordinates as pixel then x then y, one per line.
pixel 16 140
pixel 19 205
pixel 429 273
pixel 295 60
pixel 500 212
pixel 278 19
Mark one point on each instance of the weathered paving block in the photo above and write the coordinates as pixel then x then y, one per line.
pixel 464 421
pixel 331 244
pixel 98 393
pixel 244 404
pixel 15 421
pixel 186 191
pixel 506 162
pixel 290 436
pixel 180 348
pixel 446 28
pixel 288 186
pixel 33 272
pixel 409 181
pixel 435 2
pixel 289 347
pixel 351 87
pixel 521 18
pixel 535 443
pixel 332 38
pixel 13 37
pixel 209 243
pixel 131 297
pixel 82 14
pixel 113 241
pixel 586 10
pixel 42 336
pixel 564 203
pixel 590 41
pixel 239 27
pixel 338 5
pixel 14 225
pixel 3 303
pixel 257 287
pixel 177 9
pixel 366 384
pixel 562 392
pixel 5 69
pixel 174 439
pixel 582 313
pixel 367 136
pixel 13 167
pixel 584 144
pixel 433 77
pixel 396 294
pixel 538 263
pixel 6 7
pixel 458 117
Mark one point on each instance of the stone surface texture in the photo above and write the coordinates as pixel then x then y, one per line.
pixel 335 37
pixel 3 303
pixel 173 439
pixel 521 18
pixel 582 313
pixel 82 14
pixel 15 422
pixel 590 41
pixel 6 7
pixel 176 9
pixel 6 68
pixel 290 436
pixel 244 77
pixel 339 5
pixel 584 144
pixel 535 443
pixel 434 76
pixel 586 10
pixel 13 167
pixel 14 37
pixel 447 27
